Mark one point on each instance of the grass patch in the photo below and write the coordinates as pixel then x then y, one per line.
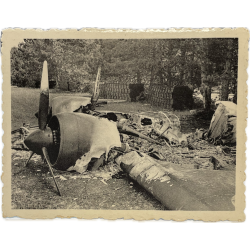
pixel 25 103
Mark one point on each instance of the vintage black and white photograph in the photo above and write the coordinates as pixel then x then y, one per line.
pixel 124 124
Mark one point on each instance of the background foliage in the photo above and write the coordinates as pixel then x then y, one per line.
pixel 165 61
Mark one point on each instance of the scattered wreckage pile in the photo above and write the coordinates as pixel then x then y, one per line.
pixel 166 162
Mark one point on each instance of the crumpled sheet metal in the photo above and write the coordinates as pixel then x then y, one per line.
pixel 166 125
pixel 104 137
pixel 63 104
pixel 145 167
pixel 230 107
pixel 224 116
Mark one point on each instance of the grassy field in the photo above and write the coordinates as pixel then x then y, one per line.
pixel 24 105
pixel 25 101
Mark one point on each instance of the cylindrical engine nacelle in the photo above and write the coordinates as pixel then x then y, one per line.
pixel 72 138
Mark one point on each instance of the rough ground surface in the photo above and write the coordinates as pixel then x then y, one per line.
pixel 33 186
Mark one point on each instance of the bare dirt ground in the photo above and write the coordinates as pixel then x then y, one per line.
pixel 33 186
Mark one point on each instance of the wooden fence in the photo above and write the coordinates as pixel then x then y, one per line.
pixel 127 92
pixel 160 95
pixel 157 94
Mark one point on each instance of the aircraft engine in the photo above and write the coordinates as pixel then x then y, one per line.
pixel 72 133
pixel 68 136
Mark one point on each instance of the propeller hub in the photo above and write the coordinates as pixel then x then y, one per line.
pixel 38 139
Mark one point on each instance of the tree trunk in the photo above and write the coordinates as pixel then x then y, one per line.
pixel 235 93
pixel 227 73
pixel 205 76
pixel 138 77
pixel 152 72
pixel 206 93
pixel 182 66
pixel 57 80
pixel 225 82
pixel 205 88
pixel 152 75
pixel 207 104
pixel 191 72
pixel 161 76
pixel 224 90
pixel 169 79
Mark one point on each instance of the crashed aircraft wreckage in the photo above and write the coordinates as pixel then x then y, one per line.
pixel 68 135
pixel 71 134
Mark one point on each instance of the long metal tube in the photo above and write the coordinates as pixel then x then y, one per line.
pixel 179 189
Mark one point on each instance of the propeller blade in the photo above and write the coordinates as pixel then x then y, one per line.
pixel 44 98
pixel 31 154
pixel 46 156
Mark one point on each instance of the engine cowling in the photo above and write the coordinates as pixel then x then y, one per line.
pixel 72 138
pixel 77 135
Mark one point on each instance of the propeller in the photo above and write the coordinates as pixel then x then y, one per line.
pixel 96 92
pixel 39 140
pixel 46 156
pixel 44 98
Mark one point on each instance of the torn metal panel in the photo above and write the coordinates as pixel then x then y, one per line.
pixel 165 125
pixel 63 104
pixel 223 124
pixel 100 138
